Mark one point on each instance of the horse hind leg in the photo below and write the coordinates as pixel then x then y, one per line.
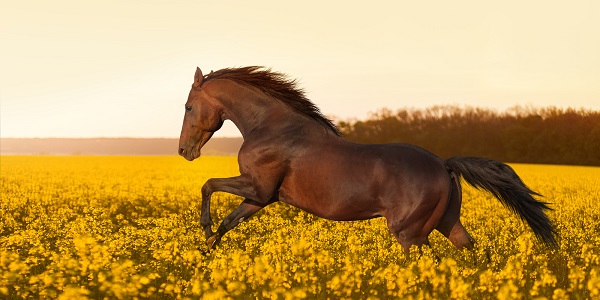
pixel 409 235
pixel 450 225
pixel 460 237
pixel 452 228
pixel 414 228
pixel 407 239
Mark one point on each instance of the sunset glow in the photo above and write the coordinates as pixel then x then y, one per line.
pixel 113 69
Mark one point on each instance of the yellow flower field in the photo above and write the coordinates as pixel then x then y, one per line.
pixel 128 227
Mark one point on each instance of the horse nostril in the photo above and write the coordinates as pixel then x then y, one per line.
pixel 181 151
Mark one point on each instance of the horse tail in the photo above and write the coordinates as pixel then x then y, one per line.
pixel 501 181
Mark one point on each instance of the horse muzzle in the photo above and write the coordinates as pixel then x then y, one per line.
pixel 193 152
pixel 189 153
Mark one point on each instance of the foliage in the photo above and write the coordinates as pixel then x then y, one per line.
pixel 521 135
pixel 128 227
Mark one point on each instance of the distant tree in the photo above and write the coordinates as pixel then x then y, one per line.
pixel 520 134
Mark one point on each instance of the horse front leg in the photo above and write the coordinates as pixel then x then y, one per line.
pixel 205 219
pixel 239 185
pixel 245 210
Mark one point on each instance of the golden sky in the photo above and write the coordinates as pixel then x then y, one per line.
pixel 124 68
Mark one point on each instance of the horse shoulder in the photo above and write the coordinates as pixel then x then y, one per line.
pixel 265 166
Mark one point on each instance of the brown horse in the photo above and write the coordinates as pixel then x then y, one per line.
pixel 293 154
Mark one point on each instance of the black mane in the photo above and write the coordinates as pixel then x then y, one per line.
pixel 278 86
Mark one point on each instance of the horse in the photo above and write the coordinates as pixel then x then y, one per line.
pixel 292 153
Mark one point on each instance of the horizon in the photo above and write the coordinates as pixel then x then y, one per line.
pixel 110 146
pixel 124 70
pixel 228 123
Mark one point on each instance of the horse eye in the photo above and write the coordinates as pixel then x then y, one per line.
pixel 188 108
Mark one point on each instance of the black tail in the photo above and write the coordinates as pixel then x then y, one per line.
pixel 502 181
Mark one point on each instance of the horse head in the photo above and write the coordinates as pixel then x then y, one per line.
pixel 203 116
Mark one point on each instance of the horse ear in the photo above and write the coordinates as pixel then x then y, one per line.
pixel 198 77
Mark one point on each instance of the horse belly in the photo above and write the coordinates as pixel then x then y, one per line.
pixel 331 195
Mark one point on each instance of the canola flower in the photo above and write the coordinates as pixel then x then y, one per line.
pixel 128 227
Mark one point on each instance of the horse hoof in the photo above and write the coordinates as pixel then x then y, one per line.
pixel 212 241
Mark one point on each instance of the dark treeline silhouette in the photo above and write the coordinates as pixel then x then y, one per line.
pixel 522 135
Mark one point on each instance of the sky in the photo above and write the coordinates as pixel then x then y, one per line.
pixel 124 68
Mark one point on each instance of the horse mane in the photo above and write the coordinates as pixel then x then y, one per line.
pixel 276 85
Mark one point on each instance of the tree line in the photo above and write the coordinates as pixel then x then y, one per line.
pixel 521 134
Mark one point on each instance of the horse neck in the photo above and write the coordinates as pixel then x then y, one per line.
pixel 251 109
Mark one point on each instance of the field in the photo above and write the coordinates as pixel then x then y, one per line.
pixel 128 227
